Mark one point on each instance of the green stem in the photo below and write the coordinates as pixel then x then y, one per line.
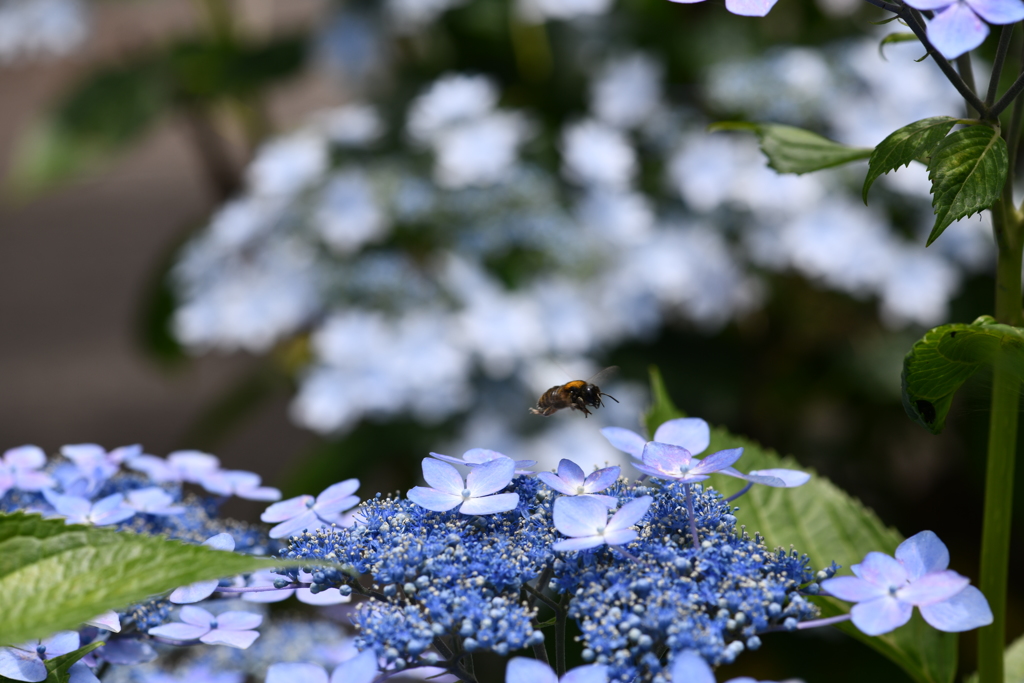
pixel 1002 447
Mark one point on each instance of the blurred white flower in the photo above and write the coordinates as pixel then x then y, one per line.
pixel 918 289
pixel 622 217
pixel 627 91
pixel 351 125
pixel 348 215
pixel 594 153
pixel 285 166
pixel 481 151
pixel 542 10
pixel 41 28
pixel 450 100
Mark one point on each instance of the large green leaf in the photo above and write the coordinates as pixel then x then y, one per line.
pixel 54 576
pixel 1013 663
pixel 945 357
pixel 913 142
pixel 795 150
pixel 967 170
pixel 827 524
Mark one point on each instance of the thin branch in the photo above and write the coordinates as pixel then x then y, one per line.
pixel 1005 36
pixel 963 65
pixel 1008 96
pixel 1013 134
pixel 560 614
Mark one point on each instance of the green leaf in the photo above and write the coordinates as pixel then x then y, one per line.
pixel 54 576
pixel 59 667
pixel 662 409
pixel 894 38
pixel 913 142
pixel 942 360
pixel 795 150
pixel 207 71
pixel 1013 663
pixel 967 170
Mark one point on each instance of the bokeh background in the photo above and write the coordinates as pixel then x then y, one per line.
pixel 322 239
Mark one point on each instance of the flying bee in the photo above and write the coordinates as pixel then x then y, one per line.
pixel 575 395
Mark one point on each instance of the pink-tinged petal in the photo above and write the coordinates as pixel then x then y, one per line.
pixel 479 456
pixel 620 536
pixel 25 458
pixel 491 477
pixel 124 454
pixel 581 543
pixel 443 477
pixel 601 479
pixel 880 615
pixel 956 30
pixel 591 673
pixel 108 620
pixel 296 672
pixel 966 610
pixel 79 672
pixel 580 516
pixel 360 669
pixel 790 478
pixel 571 473
pixel 196 616
pixel 692 433
pixel 178 631
pixel 923 553
pixel 61 643
pixel 625 440
pixel 84 453
pixel 260 493
pixel 30 480
pixel 489 505
pixel 853 589
pixel 306 521
pixel 223 541
pixel 934 587
pixel 998 12
pixel 717 461
pixel 930 4
pixel 433 500
pixel 331 596
pixel 690 667
pixel 286 509
pixel 238 639
pixel 21 665
pixel 194 592
pixel 238 620
pixel 764 480
pixel 332 497
pixel 526 670
pixel 448 459
pixel 608 501
pixel 666 457
pixel 750 8
pixel 555 482
pixel 630 513
pixel 882 570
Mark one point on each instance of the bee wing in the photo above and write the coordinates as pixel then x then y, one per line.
pixel 605 374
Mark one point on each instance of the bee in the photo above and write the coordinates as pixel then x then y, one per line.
pixel 575 395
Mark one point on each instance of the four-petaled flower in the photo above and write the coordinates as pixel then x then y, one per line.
pixel 526 670
pixel 958 26
pixel 475 457
pixel 306 512
pixel 26 662
pixel 585 520
pixel 572 481
pixel 359 669
pixel 19 470
pixel 665 461
pixel 475 496
pixel 886 590
pixel 78 510
pixel 227 628
pixel 238 483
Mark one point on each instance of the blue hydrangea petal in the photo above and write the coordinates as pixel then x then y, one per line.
pixel 526 670
pixel 21 665
pixel 25 457
pixel 750 8
pixel 238 620
pixel 179 631
pixel 290 672
pixel 934 587
pixel 853 589
pixel 665 456
pixel 601 479
pixel 789 478
pixel 194 592
pixel 625 440
pixel 923 553
pixel 61 643
pixel 620 536
pixel 237 639
pixel 930 4
pixel 717 461
pixel 629 514
pixel 31 480
pixel 608 501
pixel 489 505
pixel 966 610
pixel 881 615
pixel 555 482
pixel 110 510
pixel 286 509
pixel 579 515
pixel 73 507
pixel 337 497
pixel 690 667
pixel 692 433
pixel 571 473
pixel 448 458
pixel 360 669
pixel 438 501
pixel 757 478
pixel 196 616
pixel 581 543
pixel 442 477
pixel 107 620
pixel 79 672
pixel 882 570
pixel 998 12
pixel 491 477
pixel 127 651
pixel 956 30
pixel 290 527
pixel 591 673
pixel 479 456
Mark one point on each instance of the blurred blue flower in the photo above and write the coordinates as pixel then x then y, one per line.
pixel 359 669
pixel 238 483
pixel 19 469
pixel 78 510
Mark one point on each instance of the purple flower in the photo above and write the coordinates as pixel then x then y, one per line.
pixel 180 466
pixel 19 470
pixel 238 483
pixel 585 520
pixel 666 461
pixel 200 590
pixel 690 667
pixel 233 629
pixel 571 481
pixel 525 670
pixel 475 457
pixel 360 669
pixel 306 512
pixel 26 662
pixel 475 495
pixel 744 8
pixel 153 500
pixel 958 27
pixel 78 510
pixel 886 590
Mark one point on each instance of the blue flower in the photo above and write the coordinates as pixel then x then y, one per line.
pixel 306 512
pixel 524 670
pixel 359 669
pixel 233 629
pixel 19 469
pixel 78 510
pixel 690 667
pixel 26 662
pixel 475 496
pixel 572 481
pixel 585 520
pixel 886 590
pixel 475 457
pixel 959 26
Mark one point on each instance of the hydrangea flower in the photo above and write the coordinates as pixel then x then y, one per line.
pixel 744 8
pixel 475 496
pixel 179 466
pixel 666 461
pixel 690 667
pixel 585 520
pixel 26 662
pixel 95 463
pixel 238 483
pixel 153 500
pixel 19 469
pixel 359 669
pixel 886 590
pixel 571 481
pixel 525 670
pixel 200 590
pixel 959 26
pixel 475 457
pixel 233 629
pixel 79 510
pixel 306 512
